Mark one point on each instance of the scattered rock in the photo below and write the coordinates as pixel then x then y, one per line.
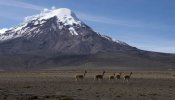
pixel 79 89
pixel 170 86
pixel 142 95
pixel 154 94
pixel 27 87
pixel 118 96
pixel 46 96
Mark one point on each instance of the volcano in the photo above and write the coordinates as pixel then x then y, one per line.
pixel 57 38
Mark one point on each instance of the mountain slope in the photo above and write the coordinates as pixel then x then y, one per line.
pixel 58 38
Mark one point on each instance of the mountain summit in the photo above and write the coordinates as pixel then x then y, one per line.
pixel 63 17
pixel 58 38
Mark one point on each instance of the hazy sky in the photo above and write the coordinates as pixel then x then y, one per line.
pixel 145 24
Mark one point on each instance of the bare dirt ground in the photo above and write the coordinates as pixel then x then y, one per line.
pixel 61 85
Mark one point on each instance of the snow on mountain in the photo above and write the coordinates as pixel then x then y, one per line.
pixel 64 16
pixel 112 39
pixel 2 31
pixel 12 33
pixel 72 31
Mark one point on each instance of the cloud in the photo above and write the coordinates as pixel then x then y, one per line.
pixel 125 22
pixel 112 21
pixel 53 7
pixel 20 4
pixel 100 19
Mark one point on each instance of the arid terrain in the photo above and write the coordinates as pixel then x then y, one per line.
pixel 61 85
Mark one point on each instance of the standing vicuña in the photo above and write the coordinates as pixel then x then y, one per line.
pixel 118 75
pixel 99 77
pixel 77 77
pixel 127 77
pixel 111 77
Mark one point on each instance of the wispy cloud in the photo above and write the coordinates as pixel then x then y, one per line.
pixel 20 4
pixel 101 19
pixel 124 22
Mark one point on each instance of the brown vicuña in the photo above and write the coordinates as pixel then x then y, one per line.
pixel 127 77
pixel 77 77
pixel 99 77
pixel 118 75
pixel 111 77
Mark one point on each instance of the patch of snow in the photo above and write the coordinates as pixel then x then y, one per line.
pixel 120 42
pixel 113 40
pixel 36 22
pixel 2 38
pixel 20 27
pixel 72 31
pixel 42 22
pixel 107 37
pixel 60 27
pixel 8 36
pixel 2 31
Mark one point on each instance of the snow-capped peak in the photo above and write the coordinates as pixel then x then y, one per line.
pixel 32 26
pixel 64 15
